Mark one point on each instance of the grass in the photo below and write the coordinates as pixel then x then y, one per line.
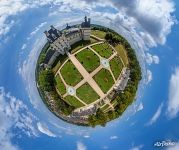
pixel 98 33
pixel 104 79
pixel 71 100
pixel 58 62
pixel 87 94
pixel 104 50
pixel 104 107
pixel 93 40
pixel 116 66
pixel 70 74
pixel 75 47
pixel 60 86
pixel 122 53
pixel 88 59
pixel 114 103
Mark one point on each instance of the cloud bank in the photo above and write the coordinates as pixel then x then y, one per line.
pixel 156 115
pixel 14 114
pixel 81 146
pixel 173 101
pixel 44 129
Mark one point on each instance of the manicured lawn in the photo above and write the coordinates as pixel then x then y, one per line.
pixel 60 86
pixel 71 100
pixel 104 50
pixel 122 53
pixel 98 33
pixel 88 59
pixel 116 66
pixel 104 79
pixel 70 74
pixel 87 94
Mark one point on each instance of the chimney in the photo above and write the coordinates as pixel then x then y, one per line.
pixel 52 27
pixel 46 33
pixel 85 19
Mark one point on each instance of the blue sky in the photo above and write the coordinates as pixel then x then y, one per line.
pixel 152 29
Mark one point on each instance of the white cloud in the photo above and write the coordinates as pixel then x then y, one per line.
pixel 86 136
pixel 14 114
pixel 44 129
pixel 150 59
pixel 7 9
pixel 144 14
pixel 148 77
pixel 137 147
pixel 81 146
pixel 114 137
pixel 156 115
pixel 140 107
pixel 35 31
pixel 173 102
pixel 27 71
pixel 24 46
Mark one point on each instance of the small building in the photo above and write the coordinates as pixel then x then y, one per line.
pixel 122 83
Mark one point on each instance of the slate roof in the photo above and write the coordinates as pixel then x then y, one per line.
pixel 51 33
pixel 48 56
pixel 86 23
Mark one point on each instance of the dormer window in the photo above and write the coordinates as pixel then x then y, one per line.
pixel 49 40
pixel 54 36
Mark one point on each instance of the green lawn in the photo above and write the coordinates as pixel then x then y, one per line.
pixel 104 107
pixel 60 86
pixel 98 33
pixel 88 59
pixel 87 94
pixel 116 66
pixel 70 74
pixel 104 79
pixel 104 50
pixel 71 100
pixel 122 53
pixel 77 46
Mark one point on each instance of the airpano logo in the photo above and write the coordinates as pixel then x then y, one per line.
pixel 164 143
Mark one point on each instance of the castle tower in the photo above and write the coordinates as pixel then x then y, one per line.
pixel 86 28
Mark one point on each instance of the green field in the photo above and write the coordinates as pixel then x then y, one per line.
pixel 88 59
pixel 104 79
pixel 104 50
pixel 116 66
pixel 71 100
pixel 70 74
pixel 122 53
pixel 87 94
pixel 60 86
pixel 98 33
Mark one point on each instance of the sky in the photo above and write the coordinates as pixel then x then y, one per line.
pixel 152 29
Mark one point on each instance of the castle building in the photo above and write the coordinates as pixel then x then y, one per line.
pixel 61 41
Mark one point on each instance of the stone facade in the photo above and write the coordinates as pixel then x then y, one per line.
pixel 61 41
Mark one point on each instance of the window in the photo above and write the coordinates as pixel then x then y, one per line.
pixel 54 36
